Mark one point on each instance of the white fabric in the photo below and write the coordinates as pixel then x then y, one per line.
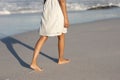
pixel 52 22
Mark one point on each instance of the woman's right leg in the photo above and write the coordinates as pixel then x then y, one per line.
pixel 61 45
pixel 38 47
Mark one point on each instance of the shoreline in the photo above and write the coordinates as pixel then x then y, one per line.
pixel 91 22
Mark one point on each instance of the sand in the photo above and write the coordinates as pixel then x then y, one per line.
pixel 93 48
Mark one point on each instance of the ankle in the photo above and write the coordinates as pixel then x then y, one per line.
pixel 32 64
pixel 61 59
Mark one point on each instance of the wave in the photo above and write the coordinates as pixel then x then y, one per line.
pixel 36 7
pixel 82 7
pixel 98 6
pixel 7 12
pixel 7 8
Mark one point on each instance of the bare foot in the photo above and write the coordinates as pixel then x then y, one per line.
pixel 63 61
pixel 35 67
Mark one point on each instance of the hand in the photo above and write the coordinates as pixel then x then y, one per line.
pixel 66 23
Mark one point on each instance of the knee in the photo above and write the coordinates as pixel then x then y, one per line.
pixel 62 1
pixel 61 37
pixel 44 37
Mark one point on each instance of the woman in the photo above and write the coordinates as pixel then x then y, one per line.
pixel 54 23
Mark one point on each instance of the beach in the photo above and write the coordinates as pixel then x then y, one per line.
pixel 92 47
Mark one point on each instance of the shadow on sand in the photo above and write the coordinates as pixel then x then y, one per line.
pixel 9 42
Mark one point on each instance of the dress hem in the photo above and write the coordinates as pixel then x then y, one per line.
pixel 51 35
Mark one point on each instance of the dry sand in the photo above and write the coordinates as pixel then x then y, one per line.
pixel 93 48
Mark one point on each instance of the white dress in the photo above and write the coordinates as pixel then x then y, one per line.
pixel 52 21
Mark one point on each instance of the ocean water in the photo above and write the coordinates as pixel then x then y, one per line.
pixel 33 6
pixel 17 16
